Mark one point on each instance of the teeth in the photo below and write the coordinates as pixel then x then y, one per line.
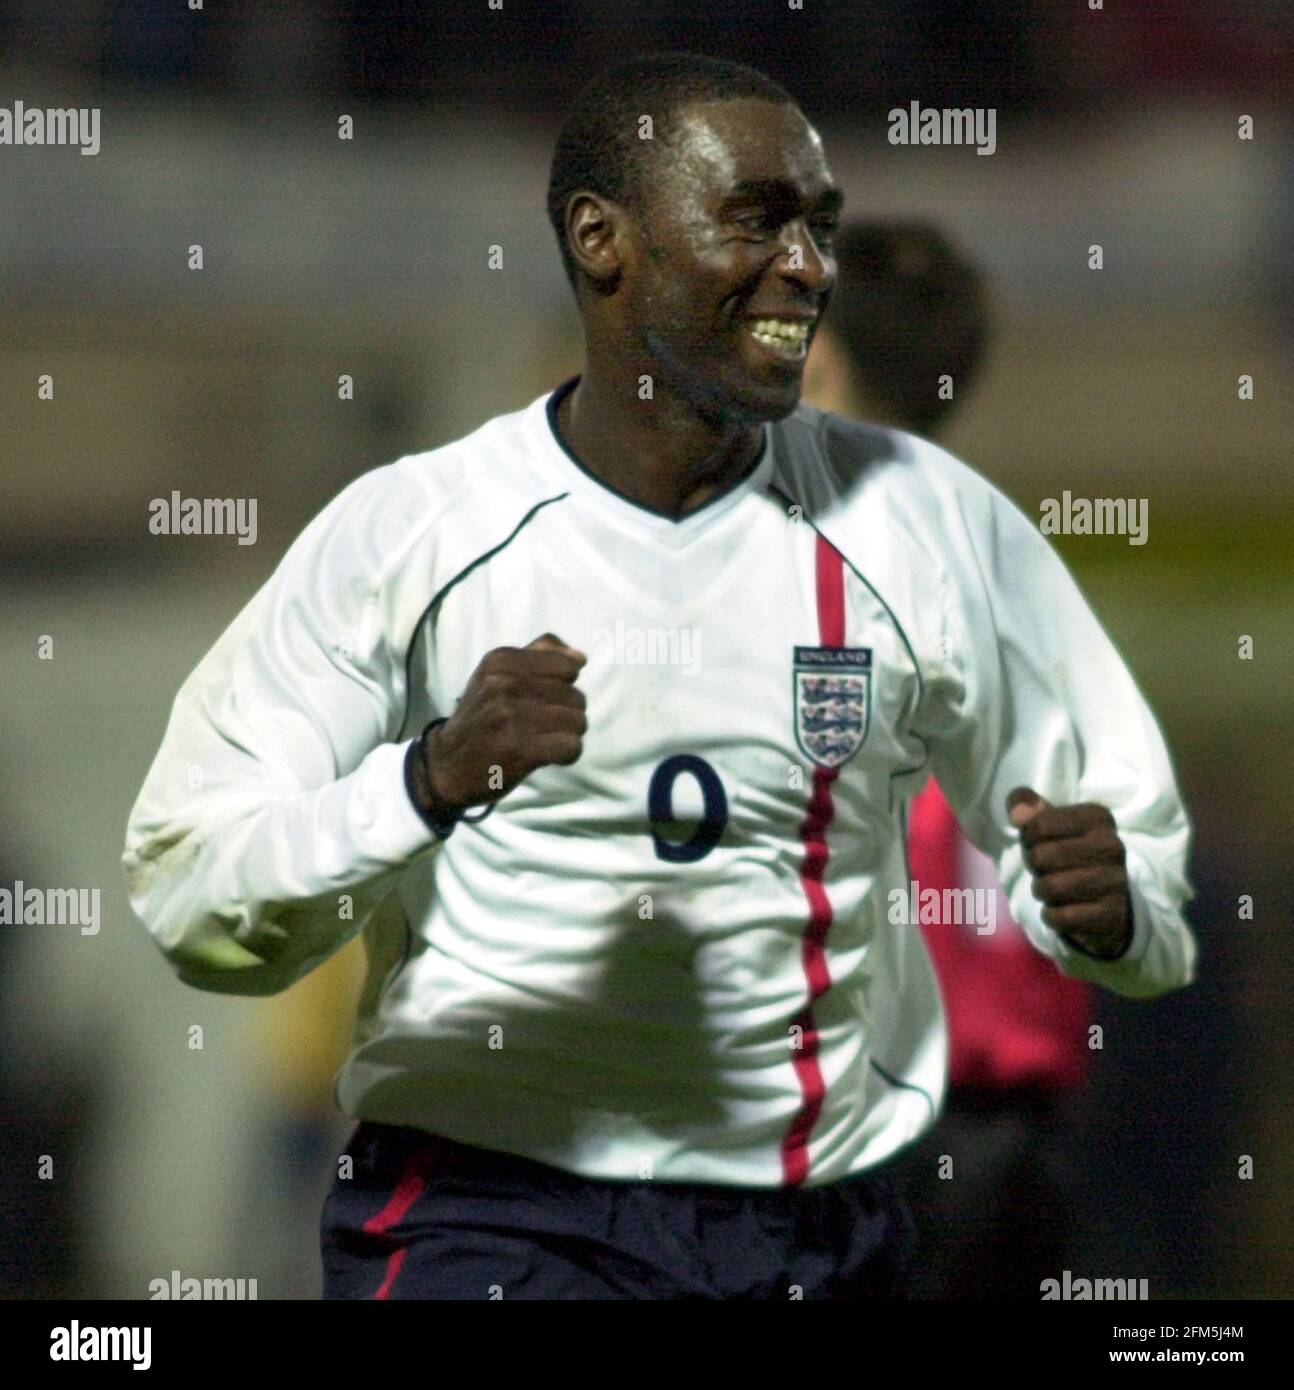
pixel 780 328
pixel 789 339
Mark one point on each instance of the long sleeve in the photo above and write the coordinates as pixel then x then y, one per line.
pixel 274 817
pixel 1031 692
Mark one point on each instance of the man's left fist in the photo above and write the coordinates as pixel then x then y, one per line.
pixel 1079 870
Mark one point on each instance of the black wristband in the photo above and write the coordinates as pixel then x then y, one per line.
pixel 439 818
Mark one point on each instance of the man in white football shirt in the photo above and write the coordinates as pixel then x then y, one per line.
pixel 602 723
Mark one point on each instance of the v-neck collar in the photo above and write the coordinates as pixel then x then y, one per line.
pixel 577 474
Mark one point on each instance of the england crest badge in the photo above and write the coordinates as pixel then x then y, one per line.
pixel 833 702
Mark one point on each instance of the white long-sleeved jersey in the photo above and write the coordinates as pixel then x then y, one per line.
pixel 677 958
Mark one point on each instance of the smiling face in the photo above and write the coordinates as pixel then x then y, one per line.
pixel 727 270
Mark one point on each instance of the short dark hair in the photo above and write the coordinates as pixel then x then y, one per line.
pixel 599 148
pixel 908 308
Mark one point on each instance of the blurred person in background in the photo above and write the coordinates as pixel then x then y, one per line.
pixel 906 336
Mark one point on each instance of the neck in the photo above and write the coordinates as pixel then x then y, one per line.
pixel 658 452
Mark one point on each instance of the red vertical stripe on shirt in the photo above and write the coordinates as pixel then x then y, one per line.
pixel 813 835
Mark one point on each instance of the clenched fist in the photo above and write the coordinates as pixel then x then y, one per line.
pixel 520 711
pixel 1078 865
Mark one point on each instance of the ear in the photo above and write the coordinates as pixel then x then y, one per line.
pixel 595 233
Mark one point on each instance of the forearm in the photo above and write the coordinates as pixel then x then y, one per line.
pixel 247 902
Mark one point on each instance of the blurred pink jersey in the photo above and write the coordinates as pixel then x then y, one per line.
pixel 1013 1019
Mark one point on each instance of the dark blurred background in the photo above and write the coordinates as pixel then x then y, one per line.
pixel 369 257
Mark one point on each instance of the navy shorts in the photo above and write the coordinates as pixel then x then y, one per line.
pixel 424 1217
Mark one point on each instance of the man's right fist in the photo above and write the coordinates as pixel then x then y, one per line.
pixel 520 711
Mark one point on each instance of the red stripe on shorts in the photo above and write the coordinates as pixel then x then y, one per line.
pixel 412 1184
